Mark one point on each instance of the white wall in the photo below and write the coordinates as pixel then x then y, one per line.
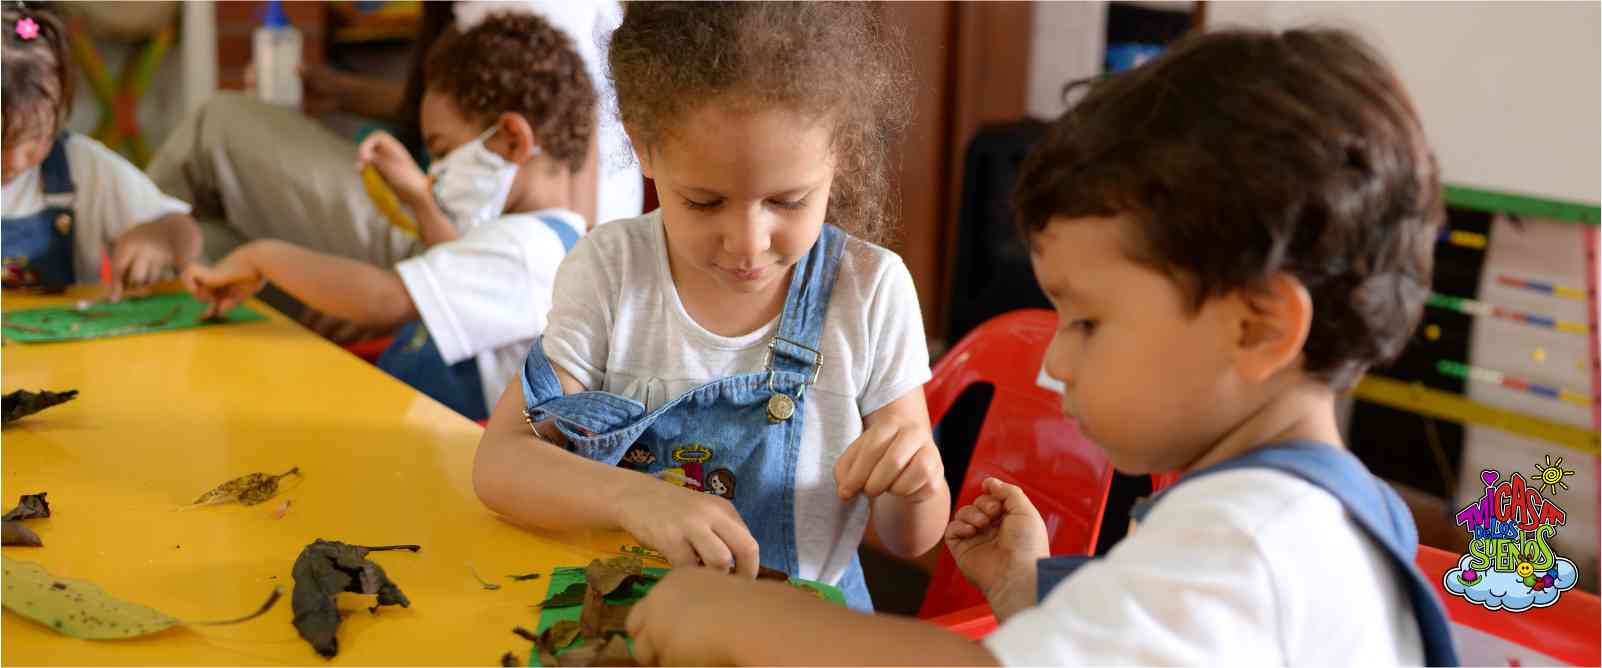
pixel 1068 46
pixel 1509 91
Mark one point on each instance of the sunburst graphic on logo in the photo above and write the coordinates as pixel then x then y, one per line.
pixel 1550 477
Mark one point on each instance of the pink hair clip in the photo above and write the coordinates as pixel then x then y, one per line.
pixel 27 29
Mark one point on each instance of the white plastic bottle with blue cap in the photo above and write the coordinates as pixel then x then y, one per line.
pixel 276 50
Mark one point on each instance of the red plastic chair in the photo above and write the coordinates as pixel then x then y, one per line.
pixel 1024 440
pixel 369 349
pixel 1565 632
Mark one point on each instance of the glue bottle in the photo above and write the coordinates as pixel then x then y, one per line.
pixel 276 50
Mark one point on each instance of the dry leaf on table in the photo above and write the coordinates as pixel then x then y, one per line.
pixel 30 506
pixel 23 403
pixel 248 489
pixel 612 574
pixel 84 610
pixel 567 598
pixel 14 533
pixel 323 570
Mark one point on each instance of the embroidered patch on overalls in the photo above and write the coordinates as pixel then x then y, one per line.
pixel 639 457
pixel 721 483
pixel 694 453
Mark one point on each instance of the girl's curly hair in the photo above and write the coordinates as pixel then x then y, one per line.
pixel 831 59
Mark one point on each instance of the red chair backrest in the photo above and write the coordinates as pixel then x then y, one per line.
pixel 1025 440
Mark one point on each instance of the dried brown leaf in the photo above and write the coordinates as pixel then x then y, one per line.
pixel 612 574
pixel 17 534
pixel 30 506
pixel 22 403
pixel 560 634
pixel 248 490
pixel 567 598
pixel 510 660
pixel 326 568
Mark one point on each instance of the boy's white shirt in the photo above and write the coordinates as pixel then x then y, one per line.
pixel 620 189
pixel 1241 567
pixel 617 324
pixel 487 293
pixel 110 196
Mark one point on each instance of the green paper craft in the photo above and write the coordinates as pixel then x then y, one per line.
pixel 139 315
pixel 565 576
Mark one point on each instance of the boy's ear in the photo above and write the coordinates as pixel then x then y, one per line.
pixel 519 140
pixel 1274 319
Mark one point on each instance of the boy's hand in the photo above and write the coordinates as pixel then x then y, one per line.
pixel 226 285
pixel 996 542
pixel 694 616
pixel 395 164
pixel 690 528
pixel 891 457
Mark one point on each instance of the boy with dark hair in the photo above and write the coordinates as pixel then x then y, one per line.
pixel 1230 235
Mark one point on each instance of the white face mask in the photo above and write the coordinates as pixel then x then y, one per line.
pixel 471 183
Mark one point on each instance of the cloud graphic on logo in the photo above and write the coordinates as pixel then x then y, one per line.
pixel 1497 590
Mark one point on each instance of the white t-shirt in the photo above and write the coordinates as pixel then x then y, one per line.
pixel 110 196
pixel 617 324
pixel 1250 566
pixel 620 190
pixel 487 293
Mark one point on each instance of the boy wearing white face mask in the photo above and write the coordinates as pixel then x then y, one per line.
pixel 465 187
pixel 474 303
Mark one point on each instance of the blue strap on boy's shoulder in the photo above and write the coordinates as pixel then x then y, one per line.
pixel 1371 503
pixel 564 232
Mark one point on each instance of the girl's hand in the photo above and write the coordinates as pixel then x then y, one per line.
pixel 892 457
pixel 690 528
pixel 226 285
pixel 996 541
pixel 383 151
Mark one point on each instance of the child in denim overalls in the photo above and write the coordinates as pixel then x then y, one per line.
pixel 736 379
pixel 69 200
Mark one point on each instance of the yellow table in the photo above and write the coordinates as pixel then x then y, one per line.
pixel 161 418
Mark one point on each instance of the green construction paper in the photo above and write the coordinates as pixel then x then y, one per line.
pixel 562 577
pixel 136 315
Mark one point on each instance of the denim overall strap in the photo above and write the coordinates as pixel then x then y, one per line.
pixel 1368 500
pixel 795 348
pixel 57 174
pixel 39 249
